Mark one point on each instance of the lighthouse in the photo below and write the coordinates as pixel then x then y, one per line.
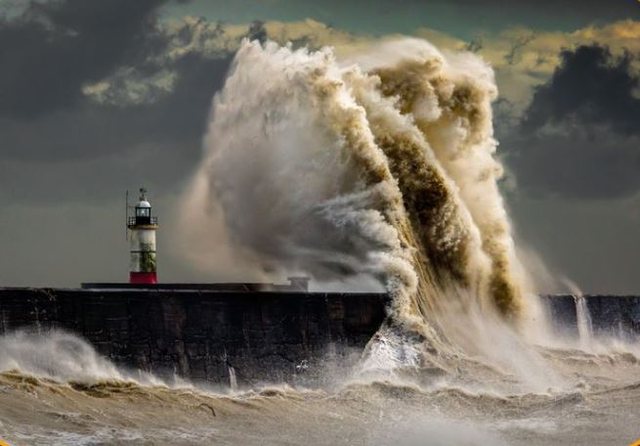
pixel 142 242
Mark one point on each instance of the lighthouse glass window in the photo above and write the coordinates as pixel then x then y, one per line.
pixel 142 212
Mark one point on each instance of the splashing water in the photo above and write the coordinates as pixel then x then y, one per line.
pixel 61 356
pixel 585 326
pixel 380 165
pixel 233 381
pixel 586 339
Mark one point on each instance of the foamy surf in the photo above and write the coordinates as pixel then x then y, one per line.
pixel 475 408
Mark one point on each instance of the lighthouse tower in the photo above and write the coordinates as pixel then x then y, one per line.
pixel 142 240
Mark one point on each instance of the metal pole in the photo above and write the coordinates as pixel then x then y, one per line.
pixel 126 212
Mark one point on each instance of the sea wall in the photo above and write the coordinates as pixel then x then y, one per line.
pixel 610 315
pixel 207 335
pixel 287 335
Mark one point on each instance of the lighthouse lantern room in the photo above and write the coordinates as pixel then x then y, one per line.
pixel 142 242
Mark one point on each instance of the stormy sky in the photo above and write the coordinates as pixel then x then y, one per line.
pixel 100 96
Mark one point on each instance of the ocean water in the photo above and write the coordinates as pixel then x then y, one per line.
pixel 53 402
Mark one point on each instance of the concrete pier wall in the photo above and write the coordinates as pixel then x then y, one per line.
pixel 610 315
pixel 202 334
pixel 280 335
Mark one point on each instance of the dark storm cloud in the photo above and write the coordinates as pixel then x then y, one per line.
pixel 91 129
pixel 58 143
pixel 161 142
pixel 51 50
pixel 578 163
pixel 590 86
pixel 53 47
pixel 580 136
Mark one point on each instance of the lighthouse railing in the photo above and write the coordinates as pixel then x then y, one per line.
pixel 132 221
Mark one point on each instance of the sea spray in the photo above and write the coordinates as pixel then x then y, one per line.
pixel 60 356
pixel 57 356
pixel 233 380
pixel 449 98
pixel 585 326
pixel 586 339
pixel 381 165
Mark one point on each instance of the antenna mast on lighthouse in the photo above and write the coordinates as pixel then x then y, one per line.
pixel 142 244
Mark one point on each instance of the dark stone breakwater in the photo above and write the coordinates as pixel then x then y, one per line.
pixel 256 335
pixel 207 334
pixel 609 314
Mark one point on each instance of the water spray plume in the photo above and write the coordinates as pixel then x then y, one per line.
pixel 381 165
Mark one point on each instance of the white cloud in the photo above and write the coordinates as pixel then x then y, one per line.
pixel 128 86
